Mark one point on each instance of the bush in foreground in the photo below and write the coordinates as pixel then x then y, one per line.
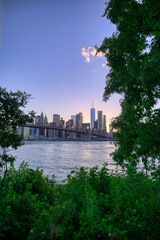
pixel 91 204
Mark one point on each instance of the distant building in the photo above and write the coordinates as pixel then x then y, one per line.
pixel 92 117
pixel 85 126
pixel 45 123
pixel 73 117
pixel 62 125
pixel 42 118
pixel 81 119
pixel 51 133
pixel 41 130
pixel 45 120
pixel 31 132
pixel 100 120
pixel 56 119
pixel 96 124
pixel 110 131
pixel 104 123
pixel 26 132
pixel 37 120
pixel 70 123
pixel 77 121
pixel 21 130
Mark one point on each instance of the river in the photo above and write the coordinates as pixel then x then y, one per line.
pixel 59 158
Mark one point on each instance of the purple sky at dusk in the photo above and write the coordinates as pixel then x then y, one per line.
pixel 41 45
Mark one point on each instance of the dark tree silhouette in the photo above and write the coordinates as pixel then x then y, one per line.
pixel 133 54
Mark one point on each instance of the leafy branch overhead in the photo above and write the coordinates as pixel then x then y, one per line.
pixel 133 54
pixel 12 116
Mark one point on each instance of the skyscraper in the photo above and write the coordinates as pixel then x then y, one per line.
pixel 42 118
pixel 92 117
pixel 77 121
pixel 100 119
pixel 104 122
pixel 45 120
pixel 62 125
pixel 37 121
pixel 73 117
pixel 56 119
pixel 81 119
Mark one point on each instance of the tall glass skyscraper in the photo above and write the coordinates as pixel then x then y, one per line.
pixel 92 117
pixel 73 117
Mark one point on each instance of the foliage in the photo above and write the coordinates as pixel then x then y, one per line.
pixel 133 55
pixel 12 116
pixel 91 204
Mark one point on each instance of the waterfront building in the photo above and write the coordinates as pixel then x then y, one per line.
pixel 42 131
pixel 26 132
pixel 56 120
pixel 31 132
pixel 70 124
pixel 52 133
pixel 62 125
pixel 92 117
pixel 100 120
pixel 20 130
pixel 36 131
pixel 37 121
pixel 45 123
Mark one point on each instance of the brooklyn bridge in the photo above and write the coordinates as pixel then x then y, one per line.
pixel 85 133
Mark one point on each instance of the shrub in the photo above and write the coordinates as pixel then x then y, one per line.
pixel 90 204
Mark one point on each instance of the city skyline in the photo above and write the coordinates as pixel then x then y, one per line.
pixel 94 116
pixel 86 117
pixel 47 49
pixel 74 129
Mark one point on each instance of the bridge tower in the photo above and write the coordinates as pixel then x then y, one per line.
pixel 87 137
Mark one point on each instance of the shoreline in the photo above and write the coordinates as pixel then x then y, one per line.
pixel 68 140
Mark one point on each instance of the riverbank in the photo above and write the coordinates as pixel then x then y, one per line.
pixel 90 204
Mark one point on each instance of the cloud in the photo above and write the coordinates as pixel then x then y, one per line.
pixel 90 52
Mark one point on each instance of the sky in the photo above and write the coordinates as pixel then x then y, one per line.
pixel 47 50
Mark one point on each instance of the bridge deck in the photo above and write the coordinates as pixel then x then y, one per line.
pixel 62 129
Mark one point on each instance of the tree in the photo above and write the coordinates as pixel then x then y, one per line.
pixel 12 116
pixel 133 55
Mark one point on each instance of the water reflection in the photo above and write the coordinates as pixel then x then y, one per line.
pixel 60 158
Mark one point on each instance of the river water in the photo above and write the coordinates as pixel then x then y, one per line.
pixel 59 158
